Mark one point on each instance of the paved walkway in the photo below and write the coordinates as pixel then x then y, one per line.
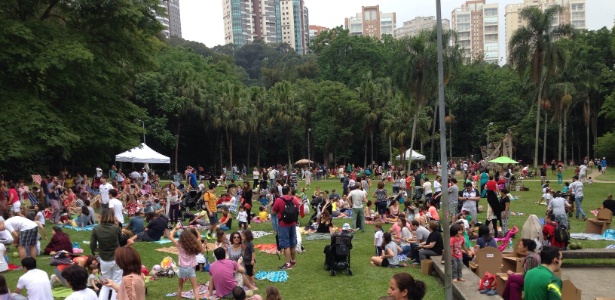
pixel 591 281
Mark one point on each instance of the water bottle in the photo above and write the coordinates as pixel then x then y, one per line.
pixel 510 244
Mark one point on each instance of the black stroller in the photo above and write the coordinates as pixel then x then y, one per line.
pixel 337 255
pixel 190 199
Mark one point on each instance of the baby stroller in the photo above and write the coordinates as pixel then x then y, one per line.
pixel 190 199
pixel 337 254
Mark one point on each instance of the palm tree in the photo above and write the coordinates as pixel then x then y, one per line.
pixel 184 86
pixel 533 46
pixel 395 119
pixel 373 94
pixel 233 111
pixel 285 111
pixel 416 73
pixel 259 115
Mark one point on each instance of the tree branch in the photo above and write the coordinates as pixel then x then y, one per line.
pixel 47 12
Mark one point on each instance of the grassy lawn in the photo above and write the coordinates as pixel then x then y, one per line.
pixel 309 280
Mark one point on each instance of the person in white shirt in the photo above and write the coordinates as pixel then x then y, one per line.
pixel 3 264
pixel 117 207
pixel 35 282
pixel 25 231
pixel 358 198
pixel 256 176
pixel 582 173
pixel 427 191
pixel 144 176
pixel 104 189
pixel 99 172
pixel 77 277
pixel 576 190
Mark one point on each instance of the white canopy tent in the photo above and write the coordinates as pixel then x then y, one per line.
pixel 143 154
pixel 415 155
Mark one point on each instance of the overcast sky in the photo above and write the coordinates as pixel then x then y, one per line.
pixel 202 19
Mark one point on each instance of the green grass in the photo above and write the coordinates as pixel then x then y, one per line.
pixel 309 280
pixel 607 176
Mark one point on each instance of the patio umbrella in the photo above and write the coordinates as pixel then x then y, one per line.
pixel 503 160
pixel 303 162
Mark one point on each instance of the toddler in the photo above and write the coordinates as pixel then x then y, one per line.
pixel 590 181
pixel 458 247
pixel 378 238
pixel 263 215
pixel 249 255
pixel 242 218
pixel 94 281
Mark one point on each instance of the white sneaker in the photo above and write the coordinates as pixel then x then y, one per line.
pixel 52 280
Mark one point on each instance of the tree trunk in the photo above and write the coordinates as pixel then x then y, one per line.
pixel 565 136
pixel 540 83
pixel 371 132
pixel 450 143
pixel 416 117
pixel 544 140
pixel 258 147
pixel 229 142
pixel 220 150
pixel 587 123
pixel 390 151
pixel 249 148
pixel 365 152
pixel 177 143
pixel 559 139
pixel 288 151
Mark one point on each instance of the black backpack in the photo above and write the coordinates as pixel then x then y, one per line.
pixel 562 234
pixel 290 213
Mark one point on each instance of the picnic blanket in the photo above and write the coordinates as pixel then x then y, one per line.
pixel 85 228
pixel 163 241
pixel 267 248
pixel 317 236
pixel 61 292
pixel 273 276
pixel 173 249
pixel 608 235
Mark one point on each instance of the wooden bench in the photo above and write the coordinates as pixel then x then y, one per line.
pixel 463 290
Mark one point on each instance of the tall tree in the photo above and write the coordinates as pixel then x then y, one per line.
pixel 286 111
pixel 233 112
pixel 533 46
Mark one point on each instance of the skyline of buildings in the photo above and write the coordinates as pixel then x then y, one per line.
pixel 371 22
pixel 172 20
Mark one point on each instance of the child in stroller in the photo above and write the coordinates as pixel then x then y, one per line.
pixel 337 254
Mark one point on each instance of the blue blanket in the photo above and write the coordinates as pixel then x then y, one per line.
pixel 273 276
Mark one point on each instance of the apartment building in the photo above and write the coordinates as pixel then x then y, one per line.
pixel 418 24
pixel 477 25
pixel 371 22
pixel 171 18
pixel 273 21
pixel 573 12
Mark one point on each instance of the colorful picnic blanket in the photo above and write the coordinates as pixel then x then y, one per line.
pixel 273 276
pixel 317 236
pixel 267 248
pixel 608 235
pixel 85 228
pixel 203 293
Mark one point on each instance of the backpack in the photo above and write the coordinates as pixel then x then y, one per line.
pixel 562 234
pixel 290 213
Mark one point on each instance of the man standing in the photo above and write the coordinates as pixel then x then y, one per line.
pixel 104 189
pixel 288 214
pixel 144 177
pixel 470 198
pixel 54 199
pixel 603 165
pixel 358 198
pixel 222 274
pixel 345 183
pixel 117 207
pixel 35 281
pixel 210 205
pixel 582 173
pixel 541 282
pixel 25 234
pixel 453 199
pixel 576 190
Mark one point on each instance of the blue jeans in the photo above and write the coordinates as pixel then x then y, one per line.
pixel 407 251
pixel 275 222
pixel 577 202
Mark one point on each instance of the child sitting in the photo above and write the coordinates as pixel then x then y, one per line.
pixel 546 197
pixel 263 215
pixel 94 281
pixel 369 213
pixel 262 198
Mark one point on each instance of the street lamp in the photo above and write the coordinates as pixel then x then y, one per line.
pixel 143 125
pixel 309 159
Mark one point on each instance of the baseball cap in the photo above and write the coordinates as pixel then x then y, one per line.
pixel 346 226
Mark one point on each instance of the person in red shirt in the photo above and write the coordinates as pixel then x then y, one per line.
pixel 14 200
pixel 287 233
pixel 548 232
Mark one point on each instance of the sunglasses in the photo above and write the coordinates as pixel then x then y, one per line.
pixel 236 237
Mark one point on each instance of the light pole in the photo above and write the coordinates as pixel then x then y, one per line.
pixel 309 159
pixel 143 125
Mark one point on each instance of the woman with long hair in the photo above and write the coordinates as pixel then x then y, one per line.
pixel 131 285
pixel 247 199
pixel 235 253
pixel 59 241
pixel 404 287
pixel 104 242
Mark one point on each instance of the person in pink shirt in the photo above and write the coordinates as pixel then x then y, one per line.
pixel 221 272
pixel 433 211
pixel 458 247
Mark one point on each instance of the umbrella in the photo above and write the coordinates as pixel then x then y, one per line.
pixel 303 162
pixel 503 160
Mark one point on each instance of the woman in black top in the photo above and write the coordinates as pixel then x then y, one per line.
pixel 247 199
pixel 434 244
pixel 325 225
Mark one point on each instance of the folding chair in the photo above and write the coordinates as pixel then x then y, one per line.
pixel 33 202
pixel 92 191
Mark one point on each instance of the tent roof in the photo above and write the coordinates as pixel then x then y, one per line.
pixel 415 155
pixel 143 154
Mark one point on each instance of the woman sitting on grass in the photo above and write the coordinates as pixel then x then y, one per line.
pixel 389 253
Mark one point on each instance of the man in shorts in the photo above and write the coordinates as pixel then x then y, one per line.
pixel 209 199
pixel 154 230
pixel 25 234
pixel 287 233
